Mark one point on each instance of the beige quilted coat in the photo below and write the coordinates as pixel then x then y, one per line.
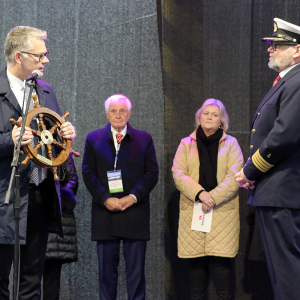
pixel 223 240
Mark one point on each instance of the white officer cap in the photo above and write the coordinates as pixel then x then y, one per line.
pixel 284 32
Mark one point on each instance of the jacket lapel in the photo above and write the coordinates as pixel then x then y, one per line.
pixel 41 90
pixel 274 89
pixel 7 93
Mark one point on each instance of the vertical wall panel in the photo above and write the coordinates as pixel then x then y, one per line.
pixel 99 48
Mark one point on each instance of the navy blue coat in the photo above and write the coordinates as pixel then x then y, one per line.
pixel 137 162
pixel 10 108
pixel 275 138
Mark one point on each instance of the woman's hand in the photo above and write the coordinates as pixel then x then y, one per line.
pixel 207 201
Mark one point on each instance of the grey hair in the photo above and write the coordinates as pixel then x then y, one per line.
pixel 223 113
pixel 20 39
pixel 116 98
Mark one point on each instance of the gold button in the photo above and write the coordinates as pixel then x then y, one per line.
pixel 258 113
pixel 253 130
pixel 251 147
pixel 269 155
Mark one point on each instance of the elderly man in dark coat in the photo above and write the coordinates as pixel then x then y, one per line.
pixel 120 169
pixel 273 169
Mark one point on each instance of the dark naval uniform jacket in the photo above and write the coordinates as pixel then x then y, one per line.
pixel 274 161
pixel 139 169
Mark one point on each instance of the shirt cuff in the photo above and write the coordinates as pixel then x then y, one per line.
pixel 134 197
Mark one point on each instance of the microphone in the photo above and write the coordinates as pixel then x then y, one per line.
pixel 36 74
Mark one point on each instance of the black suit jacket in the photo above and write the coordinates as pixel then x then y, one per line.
pixel 10 108
pixel 137 162
pixel 275 138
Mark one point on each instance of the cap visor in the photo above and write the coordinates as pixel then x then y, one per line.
pixel 273 39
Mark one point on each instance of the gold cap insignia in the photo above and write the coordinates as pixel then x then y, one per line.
pixel 275 27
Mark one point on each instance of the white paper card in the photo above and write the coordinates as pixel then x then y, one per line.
pixel 201 221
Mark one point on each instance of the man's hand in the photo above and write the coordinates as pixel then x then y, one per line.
pixel 112 204
pixel 243 181
pixel 126 202
pixel 207 201
pixel 67 131
pixel 27 136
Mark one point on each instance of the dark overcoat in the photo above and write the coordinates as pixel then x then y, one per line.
pixel 10 108
pixel 275 146
pixel 137 162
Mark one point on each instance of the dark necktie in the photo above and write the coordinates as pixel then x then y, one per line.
pixel 276 80
pixel 36 172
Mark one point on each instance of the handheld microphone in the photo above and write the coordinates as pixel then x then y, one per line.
pixel 36 74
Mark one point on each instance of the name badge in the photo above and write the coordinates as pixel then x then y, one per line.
pixel 115 183
pixel 201 221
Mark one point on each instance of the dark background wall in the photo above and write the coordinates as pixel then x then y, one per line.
pixel 212 49
pixel 99 48
pixel 167 56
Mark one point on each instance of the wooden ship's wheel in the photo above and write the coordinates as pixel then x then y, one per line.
pixel 46 138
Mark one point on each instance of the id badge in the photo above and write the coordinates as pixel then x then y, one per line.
pixel 115 183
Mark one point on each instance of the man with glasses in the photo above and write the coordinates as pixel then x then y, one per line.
pixel 273 170
pixel 25 51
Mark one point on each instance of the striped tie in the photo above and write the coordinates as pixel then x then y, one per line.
pixel 36 172
pixel 119 137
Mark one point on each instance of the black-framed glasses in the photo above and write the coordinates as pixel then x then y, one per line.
pixel 40 56
pixel 275 44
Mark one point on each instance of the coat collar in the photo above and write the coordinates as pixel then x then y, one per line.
pixel 273 89
pixel 193 135
pixel 7 93
pixel 108 134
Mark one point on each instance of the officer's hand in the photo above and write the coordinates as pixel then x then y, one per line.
pixel 243 181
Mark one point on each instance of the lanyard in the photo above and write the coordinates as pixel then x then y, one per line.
pixel 116 158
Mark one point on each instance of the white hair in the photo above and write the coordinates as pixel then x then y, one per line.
pixel 116 98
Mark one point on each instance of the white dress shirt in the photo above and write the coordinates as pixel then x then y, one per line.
pixel 117 146
pixel 281 74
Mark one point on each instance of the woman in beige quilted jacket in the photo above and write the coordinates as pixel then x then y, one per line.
pixel 203 169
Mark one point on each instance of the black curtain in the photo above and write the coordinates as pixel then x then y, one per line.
pixel 212 49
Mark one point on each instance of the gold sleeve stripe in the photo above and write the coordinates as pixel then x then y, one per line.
pixel 260 163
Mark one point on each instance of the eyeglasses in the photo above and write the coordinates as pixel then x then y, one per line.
pixel 40 56
pixel 274 45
